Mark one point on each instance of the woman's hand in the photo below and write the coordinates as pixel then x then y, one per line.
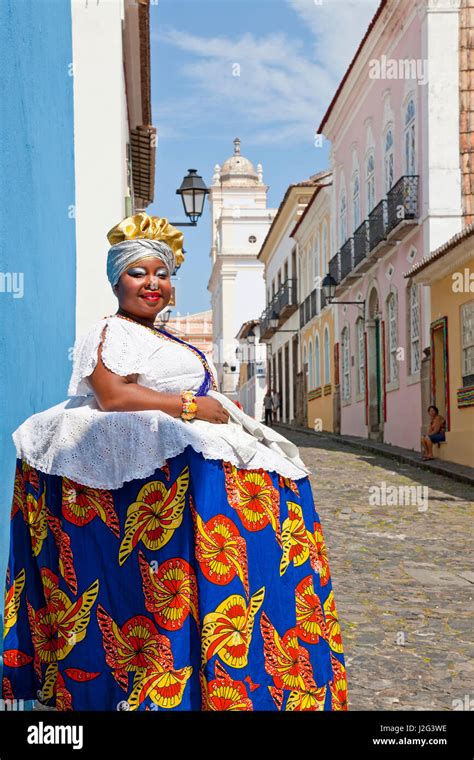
pixel 210 410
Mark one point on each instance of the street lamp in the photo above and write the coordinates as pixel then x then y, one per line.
pixel 329 287
pixel 164 316
pixel 274 321
pixel 193 193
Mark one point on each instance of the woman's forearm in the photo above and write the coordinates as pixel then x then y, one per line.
pixel 132 397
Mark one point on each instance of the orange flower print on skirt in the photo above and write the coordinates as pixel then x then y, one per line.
pixel 203 587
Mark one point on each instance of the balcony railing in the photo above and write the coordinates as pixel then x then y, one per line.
pixel 378 224
pixel 361 242
pixel 323 299
pixel 265 329
pixel 285 298
pixel 377 232
pixel 347 264
pixel 312 306
pixel 283 304
pixel 402 202
pixel 335 267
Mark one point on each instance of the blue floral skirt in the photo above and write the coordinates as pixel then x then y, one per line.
pixel 201 587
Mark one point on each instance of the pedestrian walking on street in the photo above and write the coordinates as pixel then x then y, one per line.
pixel 165 548
pixel 268 407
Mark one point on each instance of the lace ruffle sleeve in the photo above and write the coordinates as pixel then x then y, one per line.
pixel 122 353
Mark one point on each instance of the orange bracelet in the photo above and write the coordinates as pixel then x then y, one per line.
pixel 189 405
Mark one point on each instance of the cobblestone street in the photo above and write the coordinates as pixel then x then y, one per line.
pixel 402 579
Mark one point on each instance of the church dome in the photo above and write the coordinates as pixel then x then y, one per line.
pixel 238 170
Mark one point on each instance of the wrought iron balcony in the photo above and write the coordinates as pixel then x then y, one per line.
pixel 283 304
pixel 265 329
pixel 376 234
pixel 402 202
pixel 346 253
pixel 322 299
pixel 335 267
pixel 361 243
pixel 310 307
pixel 286 299
pixel 378 224
pixel 302 320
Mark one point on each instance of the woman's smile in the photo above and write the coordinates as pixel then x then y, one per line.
pixel 152 297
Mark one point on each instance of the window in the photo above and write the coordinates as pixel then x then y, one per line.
pixel 310 366
pixel 346 390
pixel 356 200
pixel 392 337
pixel 343 220
pixel 388 159
pixel 305 359
pixel 360 356
pixel 467 343
pixel 327 359
pixel 317 363
pixel 370 182
pixel 410 154
pixel 414 328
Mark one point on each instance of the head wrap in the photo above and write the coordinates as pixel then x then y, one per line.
pixel 141 237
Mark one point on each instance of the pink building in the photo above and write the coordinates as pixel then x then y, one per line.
pixel 396 195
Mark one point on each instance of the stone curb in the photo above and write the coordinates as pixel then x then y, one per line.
pixel 452 470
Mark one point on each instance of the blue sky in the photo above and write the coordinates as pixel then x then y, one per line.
pixel 291 56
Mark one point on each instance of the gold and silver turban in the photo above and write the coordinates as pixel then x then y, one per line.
pixel 141 237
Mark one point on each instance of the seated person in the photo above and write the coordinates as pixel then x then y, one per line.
pixel 435 434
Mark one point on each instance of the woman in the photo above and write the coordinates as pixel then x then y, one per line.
pixel 166 553
pixel 436 433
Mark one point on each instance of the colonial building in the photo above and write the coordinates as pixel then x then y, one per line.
pixel 194 328
pixel 279 322
pixel 449 272
pixel 316 316
pixel 251 354
pixel 114 141
pixel 395 160
pixel 240 220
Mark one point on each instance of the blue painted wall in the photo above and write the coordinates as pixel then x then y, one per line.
pixel 37 228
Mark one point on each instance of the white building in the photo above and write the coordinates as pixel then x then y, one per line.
pixel 114 142
pixel 240 220
pixel 279 254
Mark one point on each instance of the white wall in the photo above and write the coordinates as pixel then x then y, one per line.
pixel 100 135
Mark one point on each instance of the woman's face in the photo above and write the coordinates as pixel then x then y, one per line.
pixel 144 289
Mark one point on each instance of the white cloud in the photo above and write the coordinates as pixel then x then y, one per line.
pixel 338 27
pixel 281 93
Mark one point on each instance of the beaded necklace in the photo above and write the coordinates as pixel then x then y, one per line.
pixel 209 379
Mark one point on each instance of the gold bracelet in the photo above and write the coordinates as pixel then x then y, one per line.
pixel 189 405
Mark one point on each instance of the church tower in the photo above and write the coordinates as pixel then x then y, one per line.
pixel 240 221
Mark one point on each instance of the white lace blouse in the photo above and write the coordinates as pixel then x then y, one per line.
pixel 76 439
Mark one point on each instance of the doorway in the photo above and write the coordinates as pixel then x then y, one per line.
pixel 375 376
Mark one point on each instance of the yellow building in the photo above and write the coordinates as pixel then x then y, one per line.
pixel 316 318
pixel 449 272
